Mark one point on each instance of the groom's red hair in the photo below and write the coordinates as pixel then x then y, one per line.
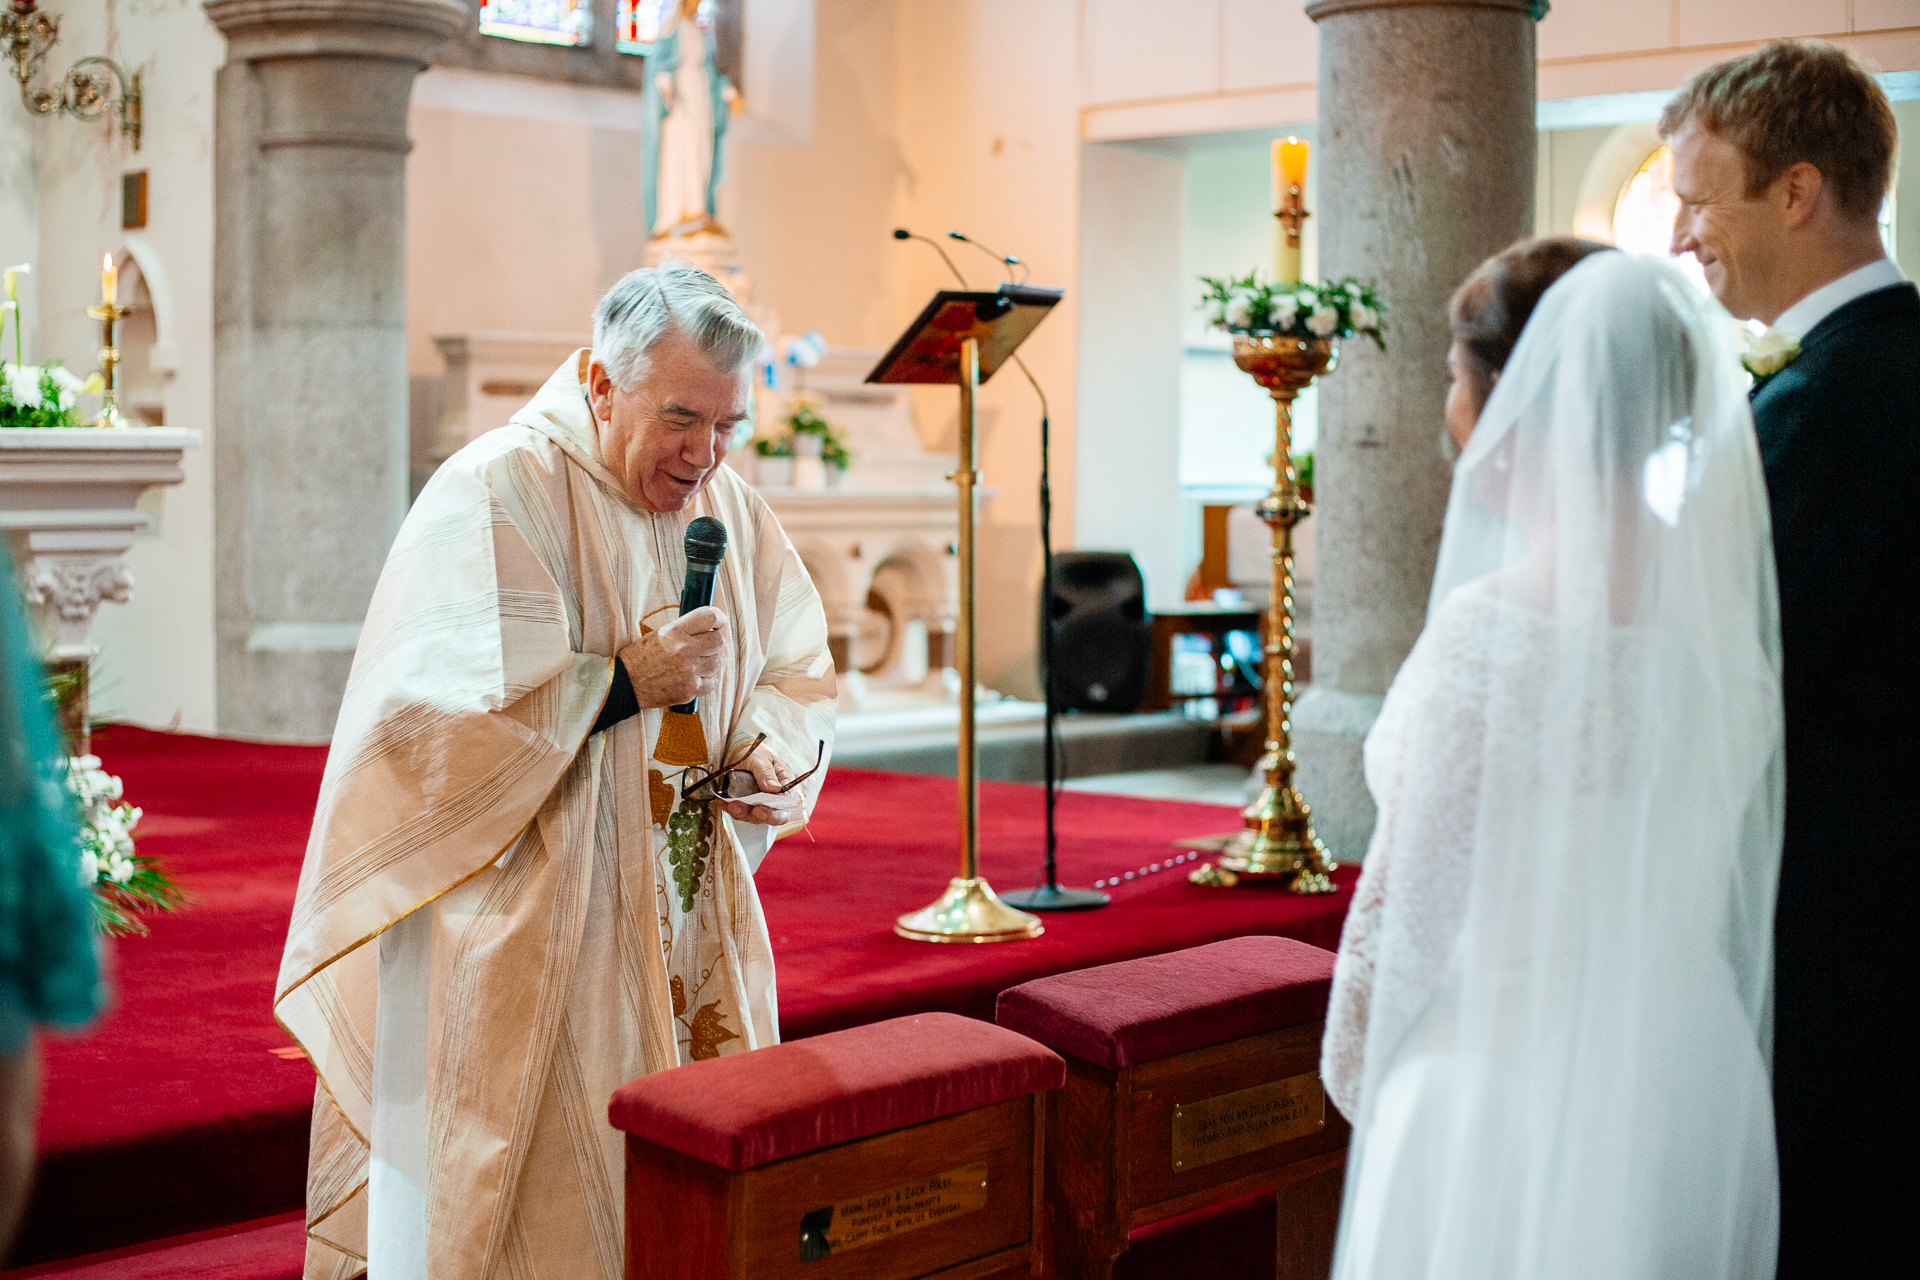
pixel 1796 100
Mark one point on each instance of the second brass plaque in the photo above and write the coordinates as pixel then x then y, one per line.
pixel 1247 1120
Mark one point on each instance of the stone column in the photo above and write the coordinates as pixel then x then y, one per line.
pixel 310 365
pixel 1426 155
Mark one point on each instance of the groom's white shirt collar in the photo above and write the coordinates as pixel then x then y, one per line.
pixel 1798 320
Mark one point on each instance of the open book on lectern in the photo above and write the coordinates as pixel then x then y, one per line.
pixel 929 351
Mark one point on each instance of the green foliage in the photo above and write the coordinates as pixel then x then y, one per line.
pixel 805 420
pixel 689 844
pixel 116 907
pixel 1343 308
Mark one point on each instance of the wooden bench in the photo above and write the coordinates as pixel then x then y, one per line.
pixel 906 1148
pixel 1192 1078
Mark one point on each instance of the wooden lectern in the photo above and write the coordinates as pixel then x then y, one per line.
pixel 961 339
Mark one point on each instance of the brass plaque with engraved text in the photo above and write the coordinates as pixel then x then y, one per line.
pixel 865 1220
pixel 1247 1120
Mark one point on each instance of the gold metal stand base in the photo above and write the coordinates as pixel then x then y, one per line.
pixel 968 912
pixel 1278 841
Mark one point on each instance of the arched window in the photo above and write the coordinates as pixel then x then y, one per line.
pixel 1643 215
pixel 563 22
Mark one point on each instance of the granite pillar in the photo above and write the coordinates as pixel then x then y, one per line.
pixel 1426 154
pixel 310 367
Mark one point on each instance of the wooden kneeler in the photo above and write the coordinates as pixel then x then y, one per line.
pixel 908 1148
pixel 1192 1078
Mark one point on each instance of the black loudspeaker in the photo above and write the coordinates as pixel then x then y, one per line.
pixel 1102 636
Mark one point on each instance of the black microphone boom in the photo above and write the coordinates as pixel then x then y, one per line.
pixel 901 233
pixel 1005 259
pixel 706 547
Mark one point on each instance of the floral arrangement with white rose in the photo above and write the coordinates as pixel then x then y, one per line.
pixel 1345 308
pixel 36 395
pixel 125 883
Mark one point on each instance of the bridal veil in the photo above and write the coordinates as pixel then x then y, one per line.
pixel 1584 998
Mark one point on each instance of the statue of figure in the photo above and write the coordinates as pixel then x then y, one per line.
pixel 683 126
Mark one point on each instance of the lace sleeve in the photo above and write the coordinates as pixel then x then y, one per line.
pixel 1342 1049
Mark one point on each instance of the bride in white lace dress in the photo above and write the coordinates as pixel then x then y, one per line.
pixel 1550 1015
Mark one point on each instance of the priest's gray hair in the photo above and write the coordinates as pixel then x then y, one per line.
pixel 648 304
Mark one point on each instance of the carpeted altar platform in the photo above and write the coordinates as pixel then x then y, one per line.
pixel 184 1111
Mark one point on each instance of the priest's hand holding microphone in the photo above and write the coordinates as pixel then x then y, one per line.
pixel 677 664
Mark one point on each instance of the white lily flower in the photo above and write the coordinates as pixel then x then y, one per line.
pixel 122 870
pixel 13 279
pixel 1239 314
pixel 1285 312
pixel 1323 321
pixel 1305 299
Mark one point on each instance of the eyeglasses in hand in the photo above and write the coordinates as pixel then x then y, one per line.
pixel 731 779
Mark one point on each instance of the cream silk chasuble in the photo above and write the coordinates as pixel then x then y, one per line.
pixel 564 957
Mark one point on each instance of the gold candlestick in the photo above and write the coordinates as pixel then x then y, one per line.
pixel 109 314
pixel 1278 838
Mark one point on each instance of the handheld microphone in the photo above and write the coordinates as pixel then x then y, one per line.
pixel 706 548
pixel 1006 259
pixel 901 233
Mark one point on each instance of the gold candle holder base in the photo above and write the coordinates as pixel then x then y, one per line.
pixel 1278 840
pixel 109 315
pixel 968 911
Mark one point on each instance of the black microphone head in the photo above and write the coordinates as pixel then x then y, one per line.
pixel 957 236
pixel 706 541
pixel 901 233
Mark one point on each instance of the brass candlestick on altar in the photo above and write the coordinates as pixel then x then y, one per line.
pixel 1278 838
pixel 109 314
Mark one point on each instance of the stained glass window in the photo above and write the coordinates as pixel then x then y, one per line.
pixel 565 22
pixel 637 23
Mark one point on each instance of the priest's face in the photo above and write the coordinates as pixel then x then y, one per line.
pixel 1737 238
pixel 667 436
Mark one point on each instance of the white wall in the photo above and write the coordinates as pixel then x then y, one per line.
pixel 1133 296
pixel 1205 66
pixel 156 653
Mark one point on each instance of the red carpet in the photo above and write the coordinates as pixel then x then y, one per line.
pixel 176 1116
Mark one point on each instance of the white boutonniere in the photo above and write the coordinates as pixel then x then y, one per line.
pixel 1769 353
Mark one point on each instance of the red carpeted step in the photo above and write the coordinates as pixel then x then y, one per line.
pixel 267 1249
pixel 180 1112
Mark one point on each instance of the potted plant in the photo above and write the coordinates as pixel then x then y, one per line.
pixel 773 460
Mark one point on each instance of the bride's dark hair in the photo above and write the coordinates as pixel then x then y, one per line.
pixel 1490 309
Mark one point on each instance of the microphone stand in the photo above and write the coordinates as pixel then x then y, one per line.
pixel 1047 895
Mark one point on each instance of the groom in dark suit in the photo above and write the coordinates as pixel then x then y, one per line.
pixel 1782 160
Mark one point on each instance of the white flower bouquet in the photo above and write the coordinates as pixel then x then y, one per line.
pixel 1344 308
pixel 124 883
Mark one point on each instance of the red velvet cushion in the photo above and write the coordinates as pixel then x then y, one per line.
pixel 1116 1015
pixel 750 1109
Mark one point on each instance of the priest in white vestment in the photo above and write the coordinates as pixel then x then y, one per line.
pixel 494 930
